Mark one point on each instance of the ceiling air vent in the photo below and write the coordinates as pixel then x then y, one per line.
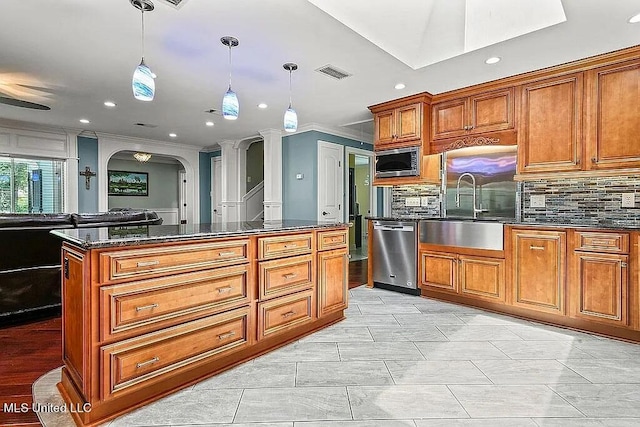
pixel 175 3
pixel 146 125
pixel 331 71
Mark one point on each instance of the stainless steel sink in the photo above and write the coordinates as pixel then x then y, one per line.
pixel 477 234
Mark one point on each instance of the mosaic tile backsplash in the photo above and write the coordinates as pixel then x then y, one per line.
pixel 583 201
pixel 587 201
pixel 400 192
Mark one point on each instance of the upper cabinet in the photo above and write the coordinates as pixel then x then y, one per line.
pixel 550 125
pixel 613 116
pixel 473 115
pixel 401 123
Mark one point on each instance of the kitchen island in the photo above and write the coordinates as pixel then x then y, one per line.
pixel 149 310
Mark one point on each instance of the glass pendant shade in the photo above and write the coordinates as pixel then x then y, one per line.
pixel 143 85
pixel 290 120
pixel 230 105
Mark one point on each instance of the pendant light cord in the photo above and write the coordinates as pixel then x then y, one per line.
pixel 142 10
pixel 289 88
pixel 230 65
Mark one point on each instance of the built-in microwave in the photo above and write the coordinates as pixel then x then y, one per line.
pixel 398 162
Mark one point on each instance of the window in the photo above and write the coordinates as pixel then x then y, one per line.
pixel 31 185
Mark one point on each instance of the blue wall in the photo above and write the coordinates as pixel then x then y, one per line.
pixel 205 185
pixel 87 156
pixel 300 155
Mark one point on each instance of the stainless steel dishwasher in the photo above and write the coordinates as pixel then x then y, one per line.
pixel 395 255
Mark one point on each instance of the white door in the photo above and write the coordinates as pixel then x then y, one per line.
pixel 330 182
pixel 216 189
pixel 182 197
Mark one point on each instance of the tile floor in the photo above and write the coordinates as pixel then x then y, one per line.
pixel 399 360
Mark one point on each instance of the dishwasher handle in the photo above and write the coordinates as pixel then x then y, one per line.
pixel 393 227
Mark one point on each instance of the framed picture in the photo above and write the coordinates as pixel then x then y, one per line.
pixel 122 183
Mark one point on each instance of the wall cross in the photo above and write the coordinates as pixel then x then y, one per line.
pixel 87 176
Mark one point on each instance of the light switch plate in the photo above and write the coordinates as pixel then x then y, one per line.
pixel 412 201
pixel 538 201
pixel 424 201
pixel 628 200
pixel 299 175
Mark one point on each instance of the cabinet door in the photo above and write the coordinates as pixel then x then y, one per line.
pixel 482 278
pixel 439 271
pixel 449 119
pixel 600 288
pixel 492 111
pixel 550 127
pixel 333 283
pixel 614 116
pixel 384 123
pixel 539 259
pixel 408 123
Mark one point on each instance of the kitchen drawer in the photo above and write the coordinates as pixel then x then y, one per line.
pixel 143 306
pixel 602 242
pixel 281 314
pixel 284 246
pixel 332 239
pixel 135 263
pixel 132 364
pixel 284 276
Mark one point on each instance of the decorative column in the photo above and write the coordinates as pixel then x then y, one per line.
pixel 230 186
pixel 71 169
pixel 272 174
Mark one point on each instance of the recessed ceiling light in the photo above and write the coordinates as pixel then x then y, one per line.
pixel 209 123
pixel 173 135
pixel 110 104
pixel 262 105
pixel 634 19
pixel 492 60
pixel 85 121
pixel 400 86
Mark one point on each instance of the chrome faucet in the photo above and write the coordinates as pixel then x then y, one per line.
pixel 476 210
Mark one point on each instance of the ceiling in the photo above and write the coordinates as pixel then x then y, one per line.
pixel 73 55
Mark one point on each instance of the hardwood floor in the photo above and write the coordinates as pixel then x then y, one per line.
pixel 28 352
pixel 33 349
pixel 357 273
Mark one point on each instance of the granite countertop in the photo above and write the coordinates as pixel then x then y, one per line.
pixel 603 225
pixel 102 237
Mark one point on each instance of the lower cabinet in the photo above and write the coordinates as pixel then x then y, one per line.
pixel 333 282
pixel 475 276
pixel 539 269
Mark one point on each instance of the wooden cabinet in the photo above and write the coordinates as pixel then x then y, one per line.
pixel 472 276
pixel 600 277
pixel 550 125
pixel 145 320
pixel 613 116
pixel 402 122
pixel 333 270
pixel 476 114
pixel 539 269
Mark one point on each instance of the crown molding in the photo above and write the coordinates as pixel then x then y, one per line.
pixel 332 130
pixel 35 127
pixel 152 142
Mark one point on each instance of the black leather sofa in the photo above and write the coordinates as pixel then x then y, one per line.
pixel 30 280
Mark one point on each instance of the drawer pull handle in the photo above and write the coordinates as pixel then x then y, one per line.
pixel 603 242
pixel 148 362
pixel 146 307
pixel 288 314
pixel 293 245
pixel 289 275
pixel 536 248
pixel 147 263
pixel 226 253
pixel 224 290
pixel 226 335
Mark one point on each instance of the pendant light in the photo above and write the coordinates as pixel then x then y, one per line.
pixel 143 84
pixel 290 116
pixel 230 105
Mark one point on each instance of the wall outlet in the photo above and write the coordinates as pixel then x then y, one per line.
pixel 412 201
pixel 628 200
pixel 424 201
pixel 538 201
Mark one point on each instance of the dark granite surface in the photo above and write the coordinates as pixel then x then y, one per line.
pixel 91 238
pixel 600 225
